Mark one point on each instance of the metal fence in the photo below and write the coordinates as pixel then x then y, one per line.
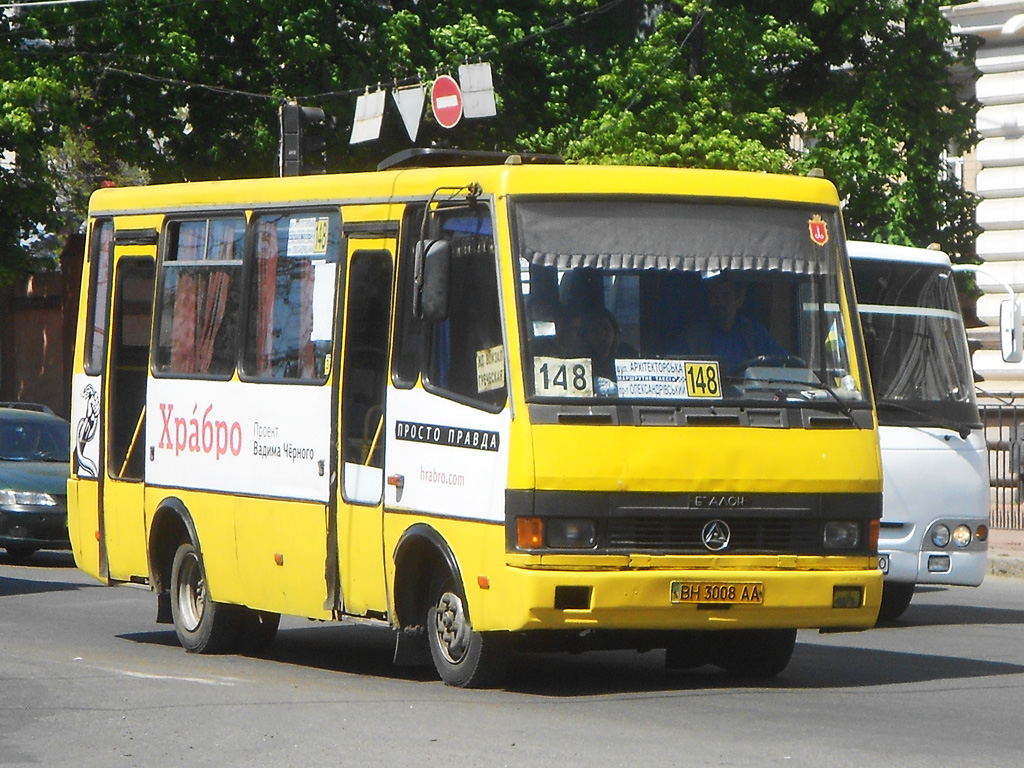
pixel 1004 432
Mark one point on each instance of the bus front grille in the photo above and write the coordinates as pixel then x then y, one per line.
pixel 684 536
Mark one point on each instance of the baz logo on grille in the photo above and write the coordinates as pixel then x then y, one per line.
pixel 716 535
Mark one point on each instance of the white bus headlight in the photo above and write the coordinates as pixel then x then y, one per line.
pixel 570 533
pixel 940 535
pixel 841 534
pixel 961 536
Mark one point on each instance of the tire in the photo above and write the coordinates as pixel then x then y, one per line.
pixel 202 626
pixel 689 650
pixel 462 657
pixel 17 552
pixel 896 597
pixel 758 654
pixel 257 630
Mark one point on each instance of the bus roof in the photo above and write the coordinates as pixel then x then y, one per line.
pixel 493 179
pixel 859 249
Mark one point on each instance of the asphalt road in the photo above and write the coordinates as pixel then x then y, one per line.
pixel 87 679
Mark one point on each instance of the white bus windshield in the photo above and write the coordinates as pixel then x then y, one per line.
pixel 684 302
pixel 916 346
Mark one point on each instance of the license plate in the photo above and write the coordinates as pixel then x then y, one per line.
pixel 718 592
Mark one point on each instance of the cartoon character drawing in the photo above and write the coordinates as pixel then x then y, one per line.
pixel 86 431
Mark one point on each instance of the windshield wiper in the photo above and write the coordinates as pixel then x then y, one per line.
pixel 962 428
pixel 783 396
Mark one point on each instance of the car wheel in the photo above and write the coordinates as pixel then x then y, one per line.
pixel 20 553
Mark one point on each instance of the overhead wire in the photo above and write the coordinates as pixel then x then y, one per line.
pixel 579 18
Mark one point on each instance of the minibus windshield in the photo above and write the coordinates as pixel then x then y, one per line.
pixel 682 301
pixel 914 336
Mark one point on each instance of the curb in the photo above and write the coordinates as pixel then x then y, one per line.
pixel 1009 567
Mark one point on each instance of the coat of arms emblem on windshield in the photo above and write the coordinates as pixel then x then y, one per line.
pixel 819 230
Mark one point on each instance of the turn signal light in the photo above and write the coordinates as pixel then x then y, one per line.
pixel 873 528
pixel 529 532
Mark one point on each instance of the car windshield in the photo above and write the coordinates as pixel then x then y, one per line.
pixel 34 439
pixel 680 301
pixel 916 345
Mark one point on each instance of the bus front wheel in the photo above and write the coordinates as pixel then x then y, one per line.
pixel 896 597
pixel 202 626
pixel 754 653
pixel 463 657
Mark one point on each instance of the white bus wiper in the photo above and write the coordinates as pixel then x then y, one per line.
pixel 962 428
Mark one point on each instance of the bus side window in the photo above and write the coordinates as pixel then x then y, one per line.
pixel 466 352
pixel 101 253
pixel 129 352
pixel 463 356
pixel 364 380
pixel 199 289
pixel 291 296
pixel 407 357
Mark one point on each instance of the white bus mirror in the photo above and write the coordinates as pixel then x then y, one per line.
pixel 1010 342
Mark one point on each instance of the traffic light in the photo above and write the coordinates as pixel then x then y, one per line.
pixel 302 140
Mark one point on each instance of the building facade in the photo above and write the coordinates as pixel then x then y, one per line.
pixel 996 171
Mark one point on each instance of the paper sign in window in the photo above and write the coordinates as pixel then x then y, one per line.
pixel 490 369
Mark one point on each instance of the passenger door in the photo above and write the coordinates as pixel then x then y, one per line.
pixel 367 323
pixel 122 521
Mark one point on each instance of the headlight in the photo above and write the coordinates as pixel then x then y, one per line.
pixel 26 498
pixel 571 533
pixel 940 535
pixel 841 534
pixel 961 536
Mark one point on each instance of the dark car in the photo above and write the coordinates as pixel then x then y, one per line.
pixel 34 466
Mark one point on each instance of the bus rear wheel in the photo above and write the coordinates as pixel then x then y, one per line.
pixel 202 625
pixel 754 653
pixel 462 657
pixel 257 630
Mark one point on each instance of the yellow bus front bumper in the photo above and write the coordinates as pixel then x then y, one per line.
pixel 529 598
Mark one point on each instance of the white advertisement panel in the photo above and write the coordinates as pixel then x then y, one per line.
pixel 85 423
pixel 259 439
pixel 445 458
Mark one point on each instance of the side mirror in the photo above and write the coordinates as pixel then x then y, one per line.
pixel 1010 342
pixel 437 265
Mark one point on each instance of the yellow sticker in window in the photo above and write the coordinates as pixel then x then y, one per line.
pixel 320 238
pixel 703 380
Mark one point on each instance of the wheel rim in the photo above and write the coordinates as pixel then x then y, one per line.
pixel 191 593
pixel 451 627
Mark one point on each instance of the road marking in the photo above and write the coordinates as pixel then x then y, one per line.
pixel 176 678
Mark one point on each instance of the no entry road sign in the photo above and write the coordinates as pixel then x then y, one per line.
pixel 446 101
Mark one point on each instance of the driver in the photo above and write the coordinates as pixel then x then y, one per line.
pixel 726 332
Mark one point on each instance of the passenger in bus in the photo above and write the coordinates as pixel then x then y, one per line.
pixel 726 332
pixel 593 332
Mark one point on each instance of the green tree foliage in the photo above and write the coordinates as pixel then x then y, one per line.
pixel 125 90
